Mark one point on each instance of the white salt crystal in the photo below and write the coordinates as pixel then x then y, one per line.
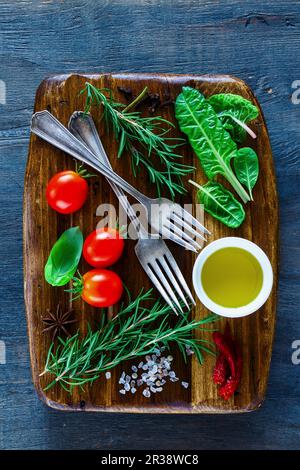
pixel 146 393
pixel 121 380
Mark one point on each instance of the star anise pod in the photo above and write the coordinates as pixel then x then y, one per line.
pixel 57 322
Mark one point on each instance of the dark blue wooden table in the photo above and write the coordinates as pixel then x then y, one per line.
pixel 256 41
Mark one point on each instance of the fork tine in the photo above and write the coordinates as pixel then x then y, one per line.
pixel 157 270
pixel 180 277
pixel 172 236
pixel 185 215
pixel 183 235
pixel 171 276
pixel 187 226
pixel 151 274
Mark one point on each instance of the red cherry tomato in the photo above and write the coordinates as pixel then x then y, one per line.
pixel 103 247
pixel 101 288
pixel 66 192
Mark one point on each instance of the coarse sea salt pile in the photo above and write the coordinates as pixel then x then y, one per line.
pixel 151 374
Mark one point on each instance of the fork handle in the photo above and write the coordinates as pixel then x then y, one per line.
pixel 46 126
pixel 83 128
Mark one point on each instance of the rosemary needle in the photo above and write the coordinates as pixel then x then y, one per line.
pixel 78 360
pixel 143 138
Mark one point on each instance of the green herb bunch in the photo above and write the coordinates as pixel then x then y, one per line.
pixel 79 360
pixel 213 127
pixel 143 138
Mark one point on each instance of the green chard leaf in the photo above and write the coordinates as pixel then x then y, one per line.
pixel 64 257
pixel 220 203
pixel 246 168
pixel 234 111
pixel 237 132
pixel 212 144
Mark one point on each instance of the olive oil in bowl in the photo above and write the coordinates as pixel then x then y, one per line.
pixel 232 277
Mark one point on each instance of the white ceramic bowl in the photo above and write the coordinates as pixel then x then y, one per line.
pixel 261 257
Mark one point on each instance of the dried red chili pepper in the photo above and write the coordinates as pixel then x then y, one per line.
pixel 220 370
pixel 229 364
pixel 225 349
pixel 230 386
pixel 228 389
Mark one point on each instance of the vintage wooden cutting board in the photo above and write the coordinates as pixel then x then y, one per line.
pixel 42 226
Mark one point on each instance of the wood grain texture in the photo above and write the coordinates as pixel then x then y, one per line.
pixel 42 227
pixel 258 42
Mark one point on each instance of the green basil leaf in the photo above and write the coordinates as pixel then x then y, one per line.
pixel 232 108
pixel 221 204
pixel 212 144
pixel 64 257
pixel 246 168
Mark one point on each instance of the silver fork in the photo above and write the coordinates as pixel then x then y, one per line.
pixel 153 254
pixel 166 217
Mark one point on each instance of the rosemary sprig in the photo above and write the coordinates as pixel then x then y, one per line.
pixel 142 137
pixel 80 360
